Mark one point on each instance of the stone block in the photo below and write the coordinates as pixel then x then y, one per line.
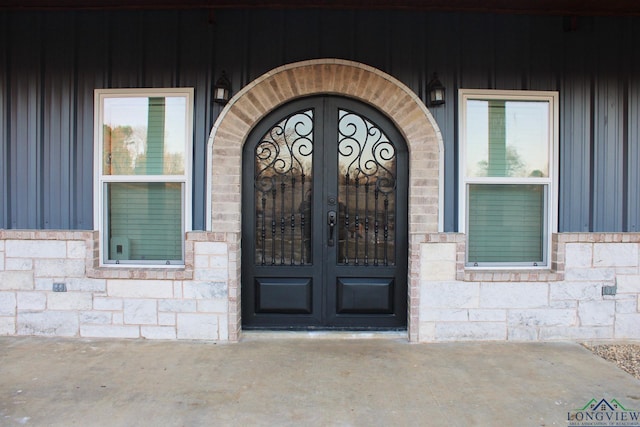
pixel 197 326
pixel 450 295
pixel 427 332
pixel 48 323
pixel 513 295
pixel 18 264
pixel 86 285
pixel 541 317
pixel 628 284
pixel 444 315
pixel 16 280
pixel 36 248
pixel 2 263
pixel 471 331
pixel 223 328
pixel 210 248
pixel 177 306
pixel 7 325
pixel 487 315
pixel 522 333
pixel 213 306
pixel 140 312
pixel 627 326
pixel 95 318
pixel 201 261
pixel 158 332
pixel 204 290
pixel 438 261
pixel 615 254
pixel 58 268
pixel 7 304
pixel 626 306
pixel 109 331
pixel 76 249
pixel 218 261
pixel 589 274
pixel 578 255
pixel 107 303
pixel 140 288
pixel 117 318
pixel 564 333
pixel 35 301
pixel 597 313
pixel 167 319
pixel 69 301
pixel 578 291
pixel 211 274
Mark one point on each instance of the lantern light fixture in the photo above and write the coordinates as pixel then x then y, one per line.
pixel 435 91
pixel 222 89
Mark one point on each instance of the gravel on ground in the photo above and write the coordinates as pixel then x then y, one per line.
pixel 626 356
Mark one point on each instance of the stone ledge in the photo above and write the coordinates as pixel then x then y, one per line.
pixel 510 276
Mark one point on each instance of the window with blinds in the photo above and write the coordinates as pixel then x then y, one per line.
pixel 144 140
pixel 507 167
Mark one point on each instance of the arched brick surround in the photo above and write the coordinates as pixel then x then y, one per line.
pixel 325 76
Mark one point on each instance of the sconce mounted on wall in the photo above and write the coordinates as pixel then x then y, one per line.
pixel 222 89
pixel 435 91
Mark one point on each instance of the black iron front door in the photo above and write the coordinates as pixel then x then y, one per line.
pixel 324 219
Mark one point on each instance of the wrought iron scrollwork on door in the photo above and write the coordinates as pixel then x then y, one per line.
pixel 367 192
pixel 283 182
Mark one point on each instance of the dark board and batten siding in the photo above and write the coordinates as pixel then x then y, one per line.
pixel 51 62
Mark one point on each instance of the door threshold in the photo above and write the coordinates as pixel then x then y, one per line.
pixel 327 335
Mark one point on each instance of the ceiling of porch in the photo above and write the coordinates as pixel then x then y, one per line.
pixel 545 7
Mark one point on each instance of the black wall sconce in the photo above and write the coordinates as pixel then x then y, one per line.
pixel 435 91
pixel 222 89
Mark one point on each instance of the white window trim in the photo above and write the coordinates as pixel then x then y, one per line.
pixel 551 220
pixel 100 180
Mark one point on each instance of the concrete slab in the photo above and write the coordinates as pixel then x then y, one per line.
pixel 302 382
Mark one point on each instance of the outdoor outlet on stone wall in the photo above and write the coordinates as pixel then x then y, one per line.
pixel 609 290
pixel 59 287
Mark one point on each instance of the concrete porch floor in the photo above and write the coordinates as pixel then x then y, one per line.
pixel 300 381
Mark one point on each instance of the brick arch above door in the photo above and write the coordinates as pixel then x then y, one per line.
pixel 324 76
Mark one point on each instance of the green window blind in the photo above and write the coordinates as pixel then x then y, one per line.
pixel 145 221
pixel 506 223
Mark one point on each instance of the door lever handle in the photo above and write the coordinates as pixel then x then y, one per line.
pixel 331 220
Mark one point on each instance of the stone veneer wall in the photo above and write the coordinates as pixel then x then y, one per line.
pixel 184 303
pixel 193 302
pixel 564 303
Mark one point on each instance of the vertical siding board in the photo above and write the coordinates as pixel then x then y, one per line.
pixel 24 141
pixel 160 38
pixel 477 52
pixel 543 53
pixel 300 36
pixel 4 128
pixel 608 120
pixel 196 71
pixel 266 41
pixel 509 39
pixel 442 57
pixel 575 132
pixel 337 37
pixel 633 160
pixel 372 35
pixel 126 49
pixel 58 107
pixel 92 72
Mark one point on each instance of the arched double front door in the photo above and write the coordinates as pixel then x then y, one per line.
pixel 324 219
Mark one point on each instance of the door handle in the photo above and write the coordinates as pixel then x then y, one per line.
pixel 331 220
